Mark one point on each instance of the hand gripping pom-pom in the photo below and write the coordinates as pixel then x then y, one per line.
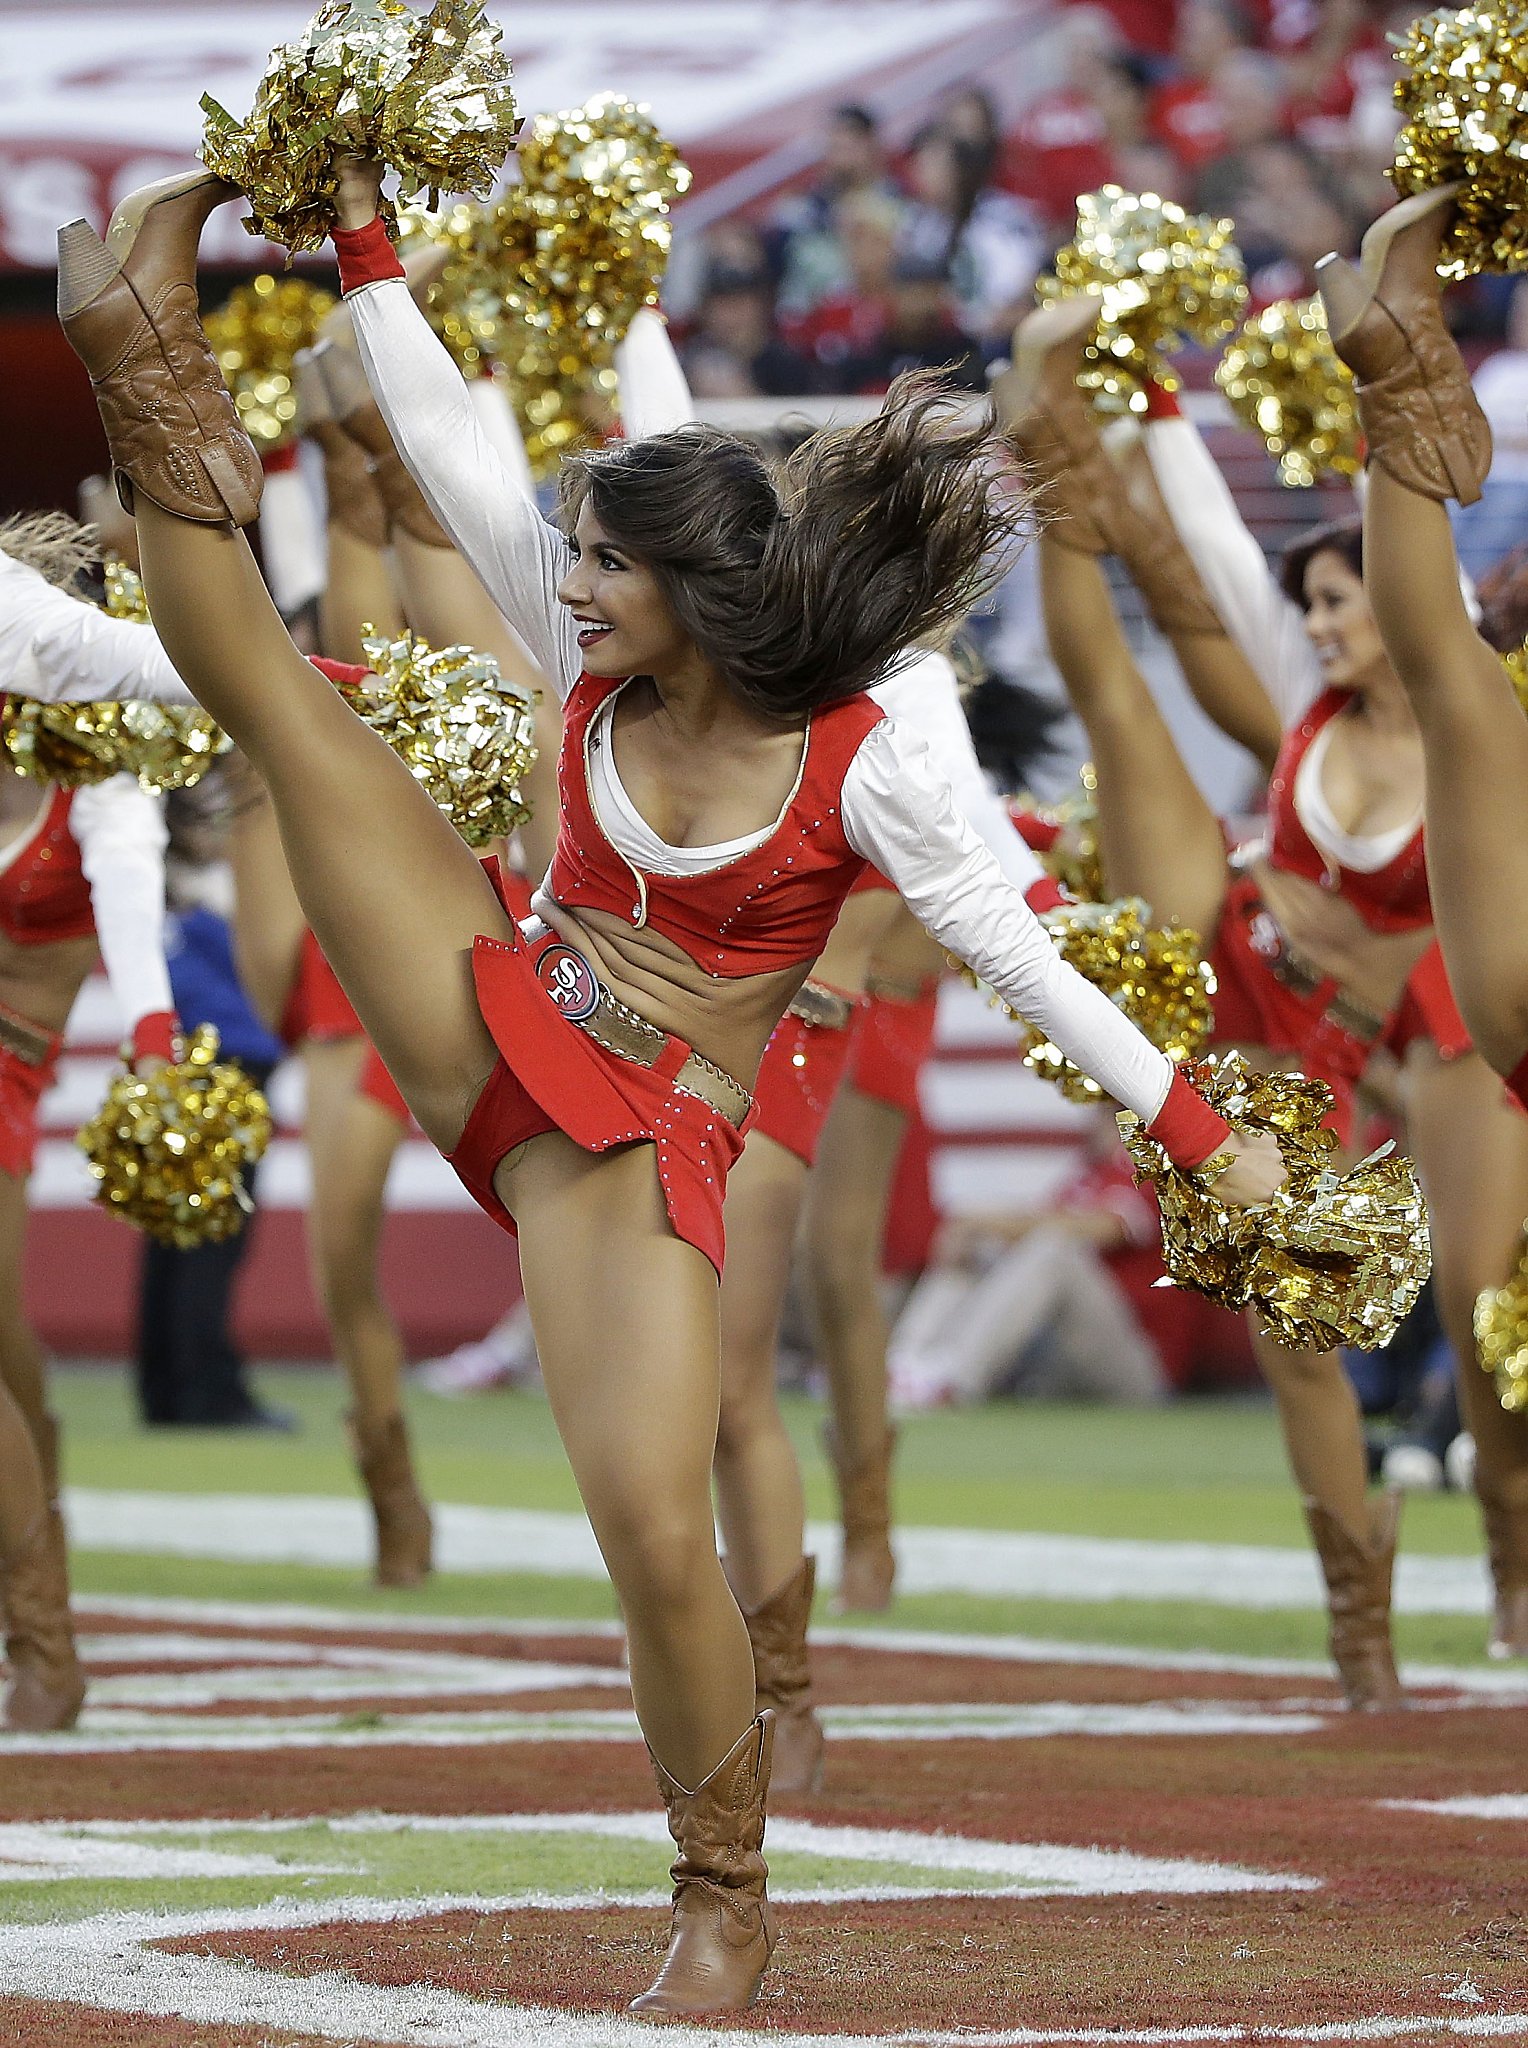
pixel 426 93
pixel 169 1153
pixel 1331 1259
pixel 1161 275
pixel 255 334
pixel 1463 91
pixel 1073 858
pixel 167 746
pixel 1501 1335
pixel 544 282
pixel 1156 974
pixel 1284 380
pixel 460 728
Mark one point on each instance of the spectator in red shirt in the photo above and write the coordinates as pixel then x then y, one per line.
pixel 1186 113
pixel 921 333
pixel 1062 143
pixel 851 322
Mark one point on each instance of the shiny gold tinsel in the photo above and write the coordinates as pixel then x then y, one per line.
pixel 254 335
pixel 459 727
pixel 1501 1335
pixel 1284 379
pixel 544 282
pixel 427 93
pixel 167 746
pixel 1155 974
pixel 1464 94
pixel 1332 1258
pixel 170 1153
pixel 1073 860
pixel 1516 665
pixel 1161 274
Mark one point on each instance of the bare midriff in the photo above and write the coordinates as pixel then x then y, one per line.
pixel 1326 930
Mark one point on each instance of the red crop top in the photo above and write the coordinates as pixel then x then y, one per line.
pixel 1390 899
pixel 771 908
pixel 44 896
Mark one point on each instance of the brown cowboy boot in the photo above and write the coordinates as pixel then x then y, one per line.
pixel 1358 1603
pixel 1052 425
pixel 47 1687
pixel 1507 1546
pixel 783 1677
pixel 354 502
pixel 129 308
pixel 1419 413
pixel 723 1929
pixel 405 1536
pixel 868 1569
pixel 361 418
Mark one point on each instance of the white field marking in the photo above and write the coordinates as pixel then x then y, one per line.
pixel 1510 1683
pixel 107 1963
pixel 1481 1806
pixel 334 1672
pixel 319 1529
pixel 1032 1719
pixel 54 1851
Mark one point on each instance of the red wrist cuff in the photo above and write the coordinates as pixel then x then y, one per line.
pixel 1186 1127
pixel 274 460
pixel 1040 833
pixel 1045 894
pixel 1162 404
pixel 366 256
pixel 154 1036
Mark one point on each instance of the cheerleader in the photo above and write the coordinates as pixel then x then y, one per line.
pixel 582 1072
pixel 1428 441
pixel 81 875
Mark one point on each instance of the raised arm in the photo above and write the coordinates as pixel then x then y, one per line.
pixel 121 836
pixel 61 650
pixel 654 391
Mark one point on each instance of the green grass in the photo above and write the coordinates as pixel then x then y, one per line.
pixel 1210 1471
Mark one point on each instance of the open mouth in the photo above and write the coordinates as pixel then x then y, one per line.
pixel 592 631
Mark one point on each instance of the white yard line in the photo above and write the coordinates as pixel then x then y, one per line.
pixel 319 1529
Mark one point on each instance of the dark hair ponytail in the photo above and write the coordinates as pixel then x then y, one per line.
pixel 805 590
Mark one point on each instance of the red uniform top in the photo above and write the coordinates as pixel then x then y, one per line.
pixel 771 908
pixel 1390 899
pixel 44 896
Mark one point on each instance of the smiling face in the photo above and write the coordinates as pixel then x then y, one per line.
pixel 626 625
pixel 1340 624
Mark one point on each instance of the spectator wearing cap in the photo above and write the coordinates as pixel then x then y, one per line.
pixel 809 257
pixel 988 243
pixel 921 333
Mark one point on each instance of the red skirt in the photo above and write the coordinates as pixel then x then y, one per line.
pixel 1428 1010
pixel 22 1087
pixel 894 1039
pixel 378 1085
pixel 318 1008
pixel 552 1076
pixel 799 1077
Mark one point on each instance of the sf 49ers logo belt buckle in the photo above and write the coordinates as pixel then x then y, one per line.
pixel 569 980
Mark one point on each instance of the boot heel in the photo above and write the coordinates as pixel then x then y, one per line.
pixel 1344 295
pixel 85 268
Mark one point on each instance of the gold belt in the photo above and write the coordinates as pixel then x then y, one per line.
pixel 623 1031
pixel 33 1046
pixel 828 1008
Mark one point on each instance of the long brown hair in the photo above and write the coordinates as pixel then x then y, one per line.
pixel 53 544
pixel 801 585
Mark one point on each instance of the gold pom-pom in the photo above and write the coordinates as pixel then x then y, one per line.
pixel 1156 974
pixel 427 93
pixel 1161 275
pixel 1501 1335
pixel 1515 661
pixel 254 335
pixel 460 727
pixel 169 1153
pixel 544 282
pixel 1073 859
pixel 1284 380
pixel 1464 94
pixel 1332 1258
pixel 167 746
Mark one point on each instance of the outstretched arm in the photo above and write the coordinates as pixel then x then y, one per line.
pixel 61 650
pixel 121 835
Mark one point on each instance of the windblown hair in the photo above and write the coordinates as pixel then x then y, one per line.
pixel 802 584
pixel 53 544
pixel 1342 537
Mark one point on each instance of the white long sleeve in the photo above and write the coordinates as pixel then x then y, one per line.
pixel 924 698
pixel 61 650
pixel 519 559
pixel 1267 627
pixel 120 831
pixel 654 391
pixel 900 812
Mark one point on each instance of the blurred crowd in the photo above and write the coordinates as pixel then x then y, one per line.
pixel 921 250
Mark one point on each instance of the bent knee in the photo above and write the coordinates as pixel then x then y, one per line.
pixel 657 1560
